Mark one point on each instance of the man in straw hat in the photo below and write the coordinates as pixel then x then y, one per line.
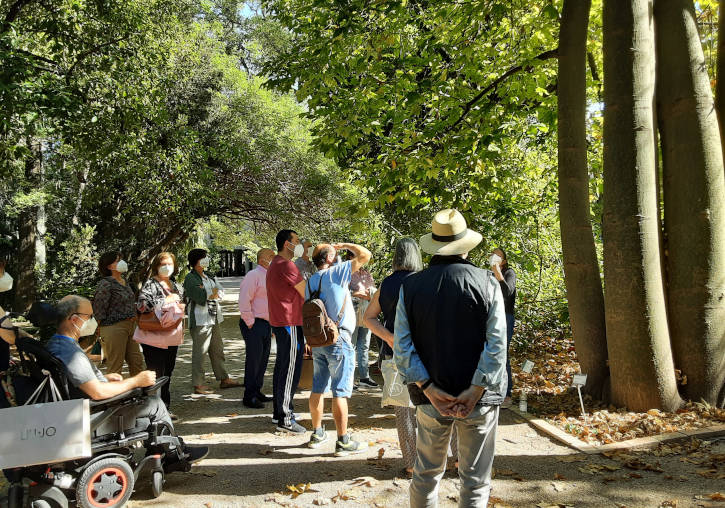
pixel 450 346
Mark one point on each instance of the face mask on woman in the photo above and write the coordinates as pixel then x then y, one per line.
pixel 6 282
pixel 204 262
pixel 310 250
pixel 166 270
pixel 495 259
pixel 122 266
pixel 88 328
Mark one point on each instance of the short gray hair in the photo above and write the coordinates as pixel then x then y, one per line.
pixel 68 306
pixel 407 256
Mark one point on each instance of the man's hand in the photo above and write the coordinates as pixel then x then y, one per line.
pixel 442 401
pixel 308 350
pixel 113 377
pixel 467 400
pixel 145 378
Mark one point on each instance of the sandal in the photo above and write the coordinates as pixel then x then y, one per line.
pixel 229 383
pixel 203 390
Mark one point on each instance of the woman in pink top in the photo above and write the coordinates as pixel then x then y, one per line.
pixel 255 328
pixel 162 295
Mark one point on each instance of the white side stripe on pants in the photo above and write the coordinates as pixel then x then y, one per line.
pixel 290 376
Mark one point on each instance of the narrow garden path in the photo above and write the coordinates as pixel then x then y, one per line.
pixel 250 465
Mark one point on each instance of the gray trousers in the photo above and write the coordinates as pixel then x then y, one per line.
pixel 207 339
pixel 476 443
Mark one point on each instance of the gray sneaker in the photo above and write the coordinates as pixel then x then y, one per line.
pixel 293 428
pixel 350 448
pixel 317 440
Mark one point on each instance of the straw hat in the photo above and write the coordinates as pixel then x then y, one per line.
pixel 450 235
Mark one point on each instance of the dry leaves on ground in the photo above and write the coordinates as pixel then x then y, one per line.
pixel 549 396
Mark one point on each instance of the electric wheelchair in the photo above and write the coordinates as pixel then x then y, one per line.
pixel 122 445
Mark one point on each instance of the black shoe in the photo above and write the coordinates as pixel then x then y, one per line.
pixel 253 403
pixel 264 398
pixel 368 383
pixel 195 453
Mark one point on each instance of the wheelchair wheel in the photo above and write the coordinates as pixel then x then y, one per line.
pixel 107 483
pixel 157 483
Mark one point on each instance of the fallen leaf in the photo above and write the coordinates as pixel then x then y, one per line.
pixel 557 476
pixel 207 436
pixel 365 481
pixel 716 496
pixel 265 452
pixel 320 501
pixel 381 452
pixel 232 415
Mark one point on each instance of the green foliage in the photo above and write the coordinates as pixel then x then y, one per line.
pixel 75 267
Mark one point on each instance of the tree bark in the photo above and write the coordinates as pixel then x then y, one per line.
pixel 720 78
pixel 581 267
pixel 693 190
pixel 26 282
pixel 640 358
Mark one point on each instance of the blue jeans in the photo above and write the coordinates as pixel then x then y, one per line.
pixel 361 339
pixel 334 368
pixel 509 333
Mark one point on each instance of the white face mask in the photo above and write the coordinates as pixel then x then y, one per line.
pixel 204 262
pixel 122 266
pixel 88 328
pixel 495 259
pixel 310 250
pixel 166 270
pixel 6 282
pixel 299 250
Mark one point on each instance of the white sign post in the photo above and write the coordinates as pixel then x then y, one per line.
pixel 526 368
pixel 579 381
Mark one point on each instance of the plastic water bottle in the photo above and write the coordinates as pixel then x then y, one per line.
pixel 523 407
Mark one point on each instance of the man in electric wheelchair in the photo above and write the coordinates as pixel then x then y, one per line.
pixel 131 430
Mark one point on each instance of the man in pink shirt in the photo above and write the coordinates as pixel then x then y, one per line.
pixel 255 328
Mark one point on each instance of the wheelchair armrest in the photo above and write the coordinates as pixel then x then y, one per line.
pixel 117 398
pixel 158 384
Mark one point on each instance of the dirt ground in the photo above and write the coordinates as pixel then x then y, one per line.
pixel 251 465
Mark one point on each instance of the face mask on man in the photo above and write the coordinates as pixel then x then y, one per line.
pixel 495 259
pixel 204 262
pixel 298 250
pixel 166 270
pixel 122 266
pixel 310 250
pixel 88 327
pixel 6 282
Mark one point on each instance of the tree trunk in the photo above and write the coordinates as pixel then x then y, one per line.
pixel 720 78
pixel 640 358
pixel 581 267
pixel 693 187
pixel 26 283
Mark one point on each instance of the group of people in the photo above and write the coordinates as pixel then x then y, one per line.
pixel 445 328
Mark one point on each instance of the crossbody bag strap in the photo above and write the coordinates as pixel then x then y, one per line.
pixel 342 311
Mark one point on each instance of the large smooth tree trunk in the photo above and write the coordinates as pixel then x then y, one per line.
pixel 640 358
pixel 694 198
pixel 720 81
pixel 581 267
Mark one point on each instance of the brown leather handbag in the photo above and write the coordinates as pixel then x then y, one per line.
pixel 148 321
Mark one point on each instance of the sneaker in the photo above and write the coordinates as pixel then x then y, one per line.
pixel 349 448
pixel 194 453
pixel 275 420
pixel 174 418
pixel 368 383
pixel 317 440
pixel 293 428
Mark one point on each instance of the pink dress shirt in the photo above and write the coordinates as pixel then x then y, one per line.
pixel 253 296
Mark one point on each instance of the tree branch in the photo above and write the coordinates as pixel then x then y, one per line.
pixel 546 55
pixel 13 14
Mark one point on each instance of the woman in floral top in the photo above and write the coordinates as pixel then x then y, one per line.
pixel 160 348
pixel 115 309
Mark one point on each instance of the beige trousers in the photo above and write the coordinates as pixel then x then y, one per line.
pixel 119 346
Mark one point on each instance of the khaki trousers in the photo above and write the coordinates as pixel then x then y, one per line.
pixel 119 346
pixel 207 339
pixel 476 442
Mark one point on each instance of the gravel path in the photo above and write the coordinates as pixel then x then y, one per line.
pixel 250 465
